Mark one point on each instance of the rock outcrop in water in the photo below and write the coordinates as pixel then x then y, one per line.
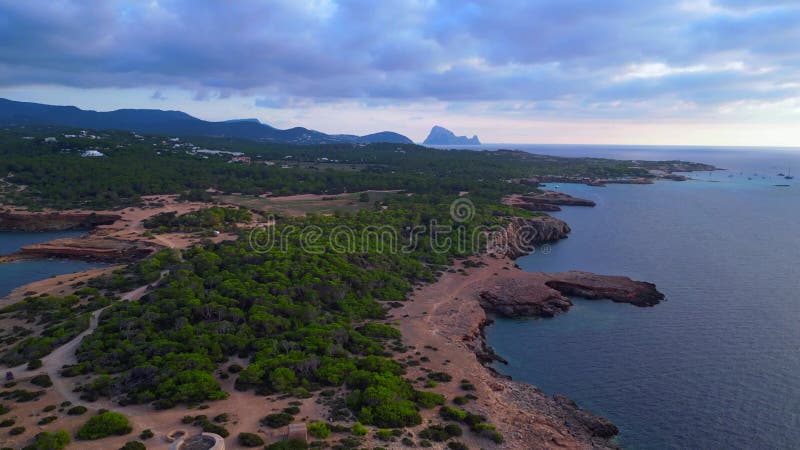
pixel 536 294
pixel 545 201
pixel 54 221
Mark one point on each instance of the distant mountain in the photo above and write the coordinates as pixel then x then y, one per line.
pixel 443 136
pixel 174 123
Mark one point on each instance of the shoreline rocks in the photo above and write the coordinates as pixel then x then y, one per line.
pixel 539 294
pixel 88 248
pixel 545 201
pixel 521 235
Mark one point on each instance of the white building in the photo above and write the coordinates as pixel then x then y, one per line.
pixel 92 154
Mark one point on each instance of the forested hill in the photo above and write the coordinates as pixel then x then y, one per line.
pixel 174 123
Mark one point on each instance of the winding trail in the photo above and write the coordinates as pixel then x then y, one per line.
pixel 65 355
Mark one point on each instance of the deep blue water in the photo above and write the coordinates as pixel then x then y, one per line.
pixel 15 274
pixel 716 366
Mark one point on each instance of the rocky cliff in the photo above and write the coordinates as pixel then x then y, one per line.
pixel 545 201
pixel 522 235
pixel 91 248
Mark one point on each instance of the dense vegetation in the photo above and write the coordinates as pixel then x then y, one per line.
pixel 63 318
pixel 304 318
pixel 104 424
pixel 55 174
pixel 214 218
pixel 50 441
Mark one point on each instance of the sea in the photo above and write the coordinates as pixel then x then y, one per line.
pixel 18 273
pixel 715 366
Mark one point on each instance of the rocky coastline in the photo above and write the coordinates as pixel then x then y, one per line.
pixel 499 287
pixel 89 248
pixel 545 201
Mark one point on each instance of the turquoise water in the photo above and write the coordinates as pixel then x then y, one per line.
pixel 15 274
pixel 716 366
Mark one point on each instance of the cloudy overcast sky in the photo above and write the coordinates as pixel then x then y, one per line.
pixel 551 71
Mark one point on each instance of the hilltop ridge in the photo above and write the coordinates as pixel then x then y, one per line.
pixel 175 123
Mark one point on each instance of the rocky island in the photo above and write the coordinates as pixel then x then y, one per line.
pixel 443 136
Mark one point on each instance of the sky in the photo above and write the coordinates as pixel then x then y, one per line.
pixel 700 72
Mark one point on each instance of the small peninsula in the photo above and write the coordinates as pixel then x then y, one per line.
pixel 443 136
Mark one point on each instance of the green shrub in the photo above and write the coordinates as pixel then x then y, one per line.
pixel 359 429
pixel 77 410
pixel 457 446
pixel 42 380
pixel 293 444
pixel 461 400
pixel 104 424
pixel 443 377
pixel 4 409
pixel 440 433
pixel 146 434
pixel 277 420
pixel 48 419
pixel 49 408
pixel 250 440
pixel 455 414
pixel 453 430
pixel 133 445
pixel 385 435
pixel 7 423
pixel 428 399
pixel 496 437
pixel 210 427
pixel 50 441
pixel 293 410
pixel 34 364
pixel 379 330
pixel 319 430
pixel 16 431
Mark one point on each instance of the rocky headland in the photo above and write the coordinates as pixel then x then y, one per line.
pixel 452 314
pixel 545 201
pixel 538 294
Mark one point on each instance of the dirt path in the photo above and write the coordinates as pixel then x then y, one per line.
pixel 442 322
pixel 65 355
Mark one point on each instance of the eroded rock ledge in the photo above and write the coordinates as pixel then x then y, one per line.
pixel 90 248
pixel 536 294
pixel 545 201
pixel 53 221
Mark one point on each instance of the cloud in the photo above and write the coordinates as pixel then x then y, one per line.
pixel 551 56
